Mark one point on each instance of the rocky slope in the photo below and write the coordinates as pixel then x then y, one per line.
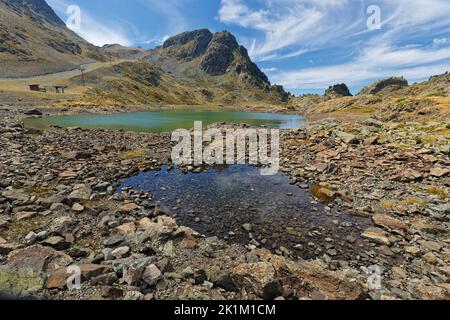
pixel 385 186
pixel 389 99
pixel 36 41
pixel 195 67
pixel 219 64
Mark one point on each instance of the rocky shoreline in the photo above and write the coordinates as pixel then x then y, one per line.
pixel 58 208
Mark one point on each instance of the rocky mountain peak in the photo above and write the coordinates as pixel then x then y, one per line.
pixel 188 45
pixel 37 10
pixel 389 84
pixel 338 90
pixel 220 53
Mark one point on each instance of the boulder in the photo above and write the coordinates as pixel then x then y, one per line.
pixel 388 222
pixel 58 279
pixel 80 192
pixel 254 277
pixel 16 283
pixel 151 275
pixel 376 235
pixel 346 137
pixel 38 259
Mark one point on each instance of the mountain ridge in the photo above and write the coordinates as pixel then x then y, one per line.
pixel 36 41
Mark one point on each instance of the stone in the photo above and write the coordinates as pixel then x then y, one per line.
pixel 134 296
pixel 19 284
pixel 31 237
pixel 169 250
pixel 399 272
pixel 110 292
pixel 61 225
pixel 132 271
pixel 430 258
pixel 411 175
pixel 431 245
pixel 58 279
pixel 312 279
pixel 107 279
pixel 438 172
pixel 388 222
pixel 346 137
pixel 427 292
pixel 114 241
pixel 6 247
pixel 247 227
pixel 376 235
pixel 224 280
pixel 200 277
pixel 16 195
pixel 129 207
pixel 160 229
pixel 272 290
pixel 254 277
pixel 67 174
pixel 127 228
pixel 120 252
pixel 151 275
pixel 80 192
pixel 187 273
pixel 24 215
pixel 56 242
pixel 332 252
pixel 38 259
pixel 350 239
pixel 77 207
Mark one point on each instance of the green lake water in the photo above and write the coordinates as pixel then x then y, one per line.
pixel 164 120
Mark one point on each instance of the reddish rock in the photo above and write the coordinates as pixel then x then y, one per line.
pixel 58 279
pixel 388 222
pixel 38 259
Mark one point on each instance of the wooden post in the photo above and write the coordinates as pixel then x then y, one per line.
pixel 82 75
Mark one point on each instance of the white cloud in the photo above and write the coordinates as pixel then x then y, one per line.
pixel 92 30
pixel 413 64
pixel 292 28
pixel 269 70
pixel 441 42
pixel 296 25
pixel 99 34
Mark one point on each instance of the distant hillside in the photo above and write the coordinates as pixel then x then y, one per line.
pixel 389 99
pixel 196 67
pixel 192 68
pixel 36 41
pixel 121 52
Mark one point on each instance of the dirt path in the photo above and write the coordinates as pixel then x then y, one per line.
pixel 21 84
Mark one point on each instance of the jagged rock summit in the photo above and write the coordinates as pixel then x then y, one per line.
pixel 215 54
pixel 338 90
pixel 385 85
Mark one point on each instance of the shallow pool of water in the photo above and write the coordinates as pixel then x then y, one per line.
pixel 218 202
pixel 164 120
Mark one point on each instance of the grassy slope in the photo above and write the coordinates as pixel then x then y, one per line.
pixel 142 82
pixel 31 47
pixel 426 101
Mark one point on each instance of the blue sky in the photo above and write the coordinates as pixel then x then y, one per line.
pixel 305 45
